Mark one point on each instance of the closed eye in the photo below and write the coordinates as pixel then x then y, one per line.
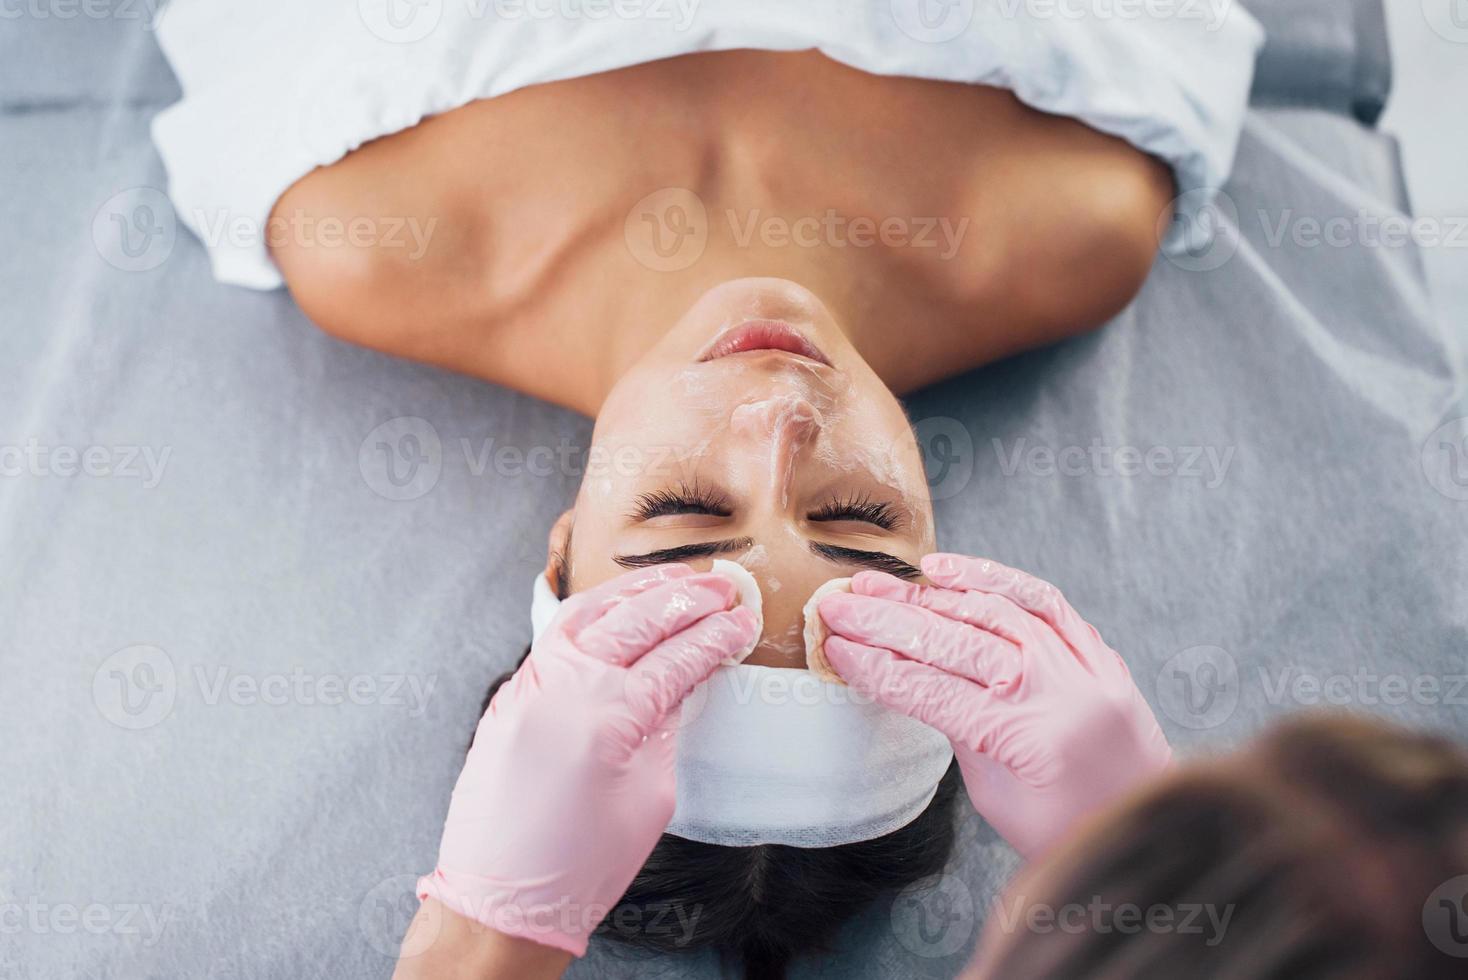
pixel 684 499
pixel 862 509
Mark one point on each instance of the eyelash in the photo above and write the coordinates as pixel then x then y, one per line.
pixel 686 499
pixel 862 508
pixel 694 499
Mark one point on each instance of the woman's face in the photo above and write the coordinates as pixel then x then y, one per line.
pixel 800 466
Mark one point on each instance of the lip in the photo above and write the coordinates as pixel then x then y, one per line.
pixel 763 335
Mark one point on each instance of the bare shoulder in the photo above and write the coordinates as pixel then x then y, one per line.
pixel 1084 223
pixel 1054 228
pixel 378 252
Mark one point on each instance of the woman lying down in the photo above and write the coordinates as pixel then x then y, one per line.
pixel 733 241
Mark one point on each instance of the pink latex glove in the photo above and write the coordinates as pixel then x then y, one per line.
pixel 570 779
pixel 1046 723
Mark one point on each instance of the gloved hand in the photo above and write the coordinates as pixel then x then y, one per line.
pixel 1046 723
pixel 570 779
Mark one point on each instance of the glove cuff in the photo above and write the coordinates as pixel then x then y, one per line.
pixel 562 923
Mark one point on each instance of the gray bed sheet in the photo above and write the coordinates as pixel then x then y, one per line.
pixel 240 657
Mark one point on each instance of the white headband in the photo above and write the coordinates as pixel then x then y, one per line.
pixel 773 755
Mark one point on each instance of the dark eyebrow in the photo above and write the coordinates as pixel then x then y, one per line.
pixel 879 560
pixel 685 552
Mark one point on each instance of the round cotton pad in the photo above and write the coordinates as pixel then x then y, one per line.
pixel 816 631
pixel 749 595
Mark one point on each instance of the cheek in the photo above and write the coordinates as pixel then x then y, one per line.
pixel 660 436
pixel 905 473
pixel 887 455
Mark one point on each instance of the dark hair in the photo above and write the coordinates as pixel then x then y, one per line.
pixel 764 905
pixel 1325 844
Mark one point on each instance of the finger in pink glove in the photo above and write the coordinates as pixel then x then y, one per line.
pixel 1045 720
pixel 570 779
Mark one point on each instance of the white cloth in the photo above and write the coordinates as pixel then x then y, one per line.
pixel 275 88
pixel 770 755
pixel 775 755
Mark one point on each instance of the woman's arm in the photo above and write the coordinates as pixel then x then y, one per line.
pixel 443 946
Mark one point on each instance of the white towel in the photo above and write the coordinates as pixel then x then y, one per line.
pixel 274 88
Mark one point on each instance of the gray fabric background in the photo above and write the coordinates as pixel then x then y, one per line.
pixel 1329 54
pixel 153 824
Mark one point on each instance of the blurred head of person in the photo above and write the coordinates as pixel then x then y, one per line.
pixel 1327 849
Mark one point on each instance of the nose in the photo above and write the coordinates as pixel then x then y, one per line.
pixel 777 418
pixel 781 425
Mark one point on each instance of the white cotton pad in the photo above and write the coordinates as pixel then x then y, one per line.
pixel 749 595
pixel 816 631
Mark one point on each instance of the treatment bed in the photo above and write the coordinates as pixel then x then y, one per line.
pixel 254 582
